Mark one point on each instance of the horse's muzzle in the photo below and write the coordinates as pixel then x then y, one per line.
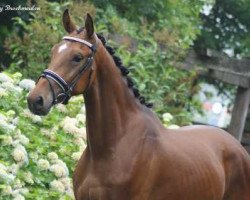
pixel 36 105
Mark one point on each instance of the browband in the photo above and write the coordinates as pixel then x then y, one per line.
pixel 91 46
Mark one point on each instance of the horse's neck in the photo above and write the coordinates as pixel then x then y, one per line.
pixel 110 105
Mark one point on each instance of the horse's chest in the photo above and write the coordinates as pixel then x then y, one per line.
pixel 103 184
pixel 98 191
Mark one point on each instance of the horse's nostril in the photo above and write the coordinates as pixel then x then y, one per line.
pixel 39 102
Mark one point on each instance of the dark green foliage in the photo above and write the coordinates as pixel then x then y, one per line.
pixel 227 27
pixel 6 25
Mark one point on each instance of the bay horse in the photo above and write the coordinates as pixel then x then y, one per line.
pixel 130 155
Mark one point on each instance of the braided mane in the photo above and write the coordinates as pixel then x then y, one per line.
pixel 124 72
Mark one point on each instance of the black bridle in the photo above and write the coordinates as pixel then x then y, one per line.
pixel 66 88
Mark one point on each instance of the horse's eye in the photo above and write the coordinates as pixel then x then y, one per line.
pixel 77 58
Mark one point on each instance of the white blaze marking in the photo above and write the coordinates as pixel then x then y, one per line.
pixel 62 47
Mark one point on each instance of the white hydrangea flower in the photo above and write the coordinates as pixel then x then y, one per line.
pixel 34 118
pixel 66 182
pixel 10 87
pixel 167 117
pixel 52 156
pixel 68 121
pixel 15 121
pixel 7 190
pixel 5 78
pixel 18 132
pixel 69 125
pixel 34 156
pixel 83 110
pixel 28 177
pixel 45 132
pixel 20 154
pixel 82 147
pixel 43 164
pixel 19 197
pixel 6 176
pixel 15 143
pixel 57 186
pixel 70 193
pixel 17 76
pixel 79 142
pixel 83 133
pixel 81 118
pixel 173 126
pixel 7 140
pixel 3 92
pixel 13 169
pixel 23 139
pixel 63 164
pixel 76 156
pixel 76 99
pixel 23 190
pixel 18 184
pixel 59 170
pixel 2 166
pixel 62 108
pixel 27 84
pixel 6 126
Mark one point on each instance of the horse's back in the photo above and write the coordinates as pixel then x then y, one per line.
pixel 216 150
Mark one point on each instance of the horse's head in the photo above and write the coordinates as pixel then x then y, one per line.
pixel 70 71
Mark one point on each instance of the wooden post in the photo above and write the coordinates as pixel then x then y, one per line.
pixel 240 111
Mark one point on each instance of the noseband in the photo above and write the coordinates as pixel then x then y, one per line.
pixel 66 88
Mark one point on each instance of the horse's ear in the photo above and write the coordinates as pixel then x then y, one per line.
pixel 89 25
pixel 67 22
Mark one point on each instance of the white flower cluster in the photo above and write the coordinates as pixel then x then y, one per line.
pixel 7 127
pixel 8 177
pixel 59 169
pixel 43 164
pixel 63 185
pixel 34 118
pixel 76 156
pixel 17 190
pixel 3 92
pixel 70 125
pixel 8 121
pixel 27 84
pixel 50 133
pixel 5 78
pixel 61 108
pixel 167 118
pixel 7 84
pixel 20 155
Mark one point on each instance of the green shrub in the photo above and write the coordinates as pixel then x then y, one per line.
pixel 38 154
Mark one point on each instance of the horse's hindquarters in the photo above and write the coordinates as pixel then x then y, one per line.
pixel 237 170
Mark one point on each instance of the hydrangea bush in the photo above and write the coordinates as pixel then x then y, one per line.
pixel 38 154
